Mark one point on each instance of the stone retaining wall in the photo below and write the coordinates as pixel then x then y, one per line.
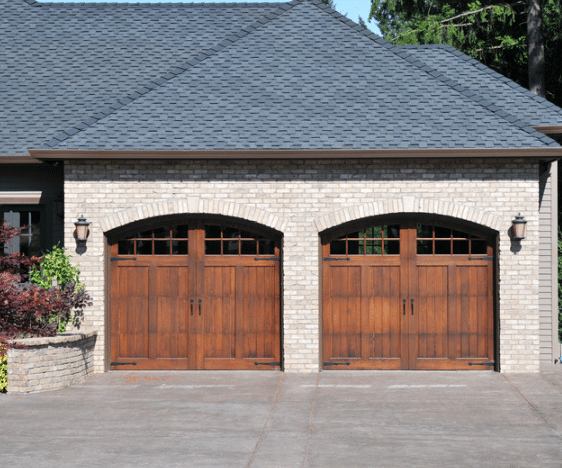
pixel 51 362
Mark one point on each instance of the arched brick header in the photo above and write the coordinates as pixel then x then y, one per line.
pixel 193 206
pixel 410 205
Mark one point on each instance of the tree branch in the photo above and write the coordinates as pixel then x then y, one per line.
pixel 489 7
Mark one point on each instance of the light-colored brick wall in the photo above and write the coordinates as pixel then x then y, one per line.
pixel 303 198
pixel 51 362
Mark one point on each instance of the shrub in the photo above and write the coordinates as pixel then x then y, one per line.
pixel 55 270
pixel 55 267
pixel 27 309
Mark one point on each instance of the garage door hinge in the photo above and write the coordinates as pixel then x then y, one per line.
pixel 489 363
pixel 122 363
pixel 331 259
pixel 267 363
pixel 267 258
pixel 116 259
pixel 480 258
pixel 331 363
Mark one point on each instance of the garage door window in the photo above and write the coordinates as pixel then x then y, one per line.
pixel 376 240
pixel 160 241
pixel 437 240
pixel 220 240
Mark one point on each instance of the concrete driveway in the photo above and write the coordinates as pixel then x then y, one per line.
pixel 270 419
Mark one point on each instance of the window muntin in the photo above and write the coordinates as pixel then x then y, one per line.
pixel 375 240
pixel 158 241
pixel 222 240
pixel 437 240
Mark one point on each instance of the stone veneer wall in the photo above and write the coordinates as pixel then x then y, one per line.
pixel 51 362
pixel 303 198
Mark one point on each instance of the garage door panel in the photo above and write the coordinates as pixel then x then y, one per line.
pixel 257 324
pixel 343 312
pixel 171 315
pixel 219 312
pixel 131 304
pixel 430 321
pixel 382 332
pixel 241 314
pixel 473 309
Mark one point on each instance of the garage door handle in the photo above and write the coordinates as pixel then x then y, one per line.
pixel 191 306
pixel 200 301
pixel 404 304
pixel 412 306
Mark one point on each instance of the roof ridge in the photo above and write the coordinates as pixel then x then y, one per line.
pixel 484 69
pixel 344 19
pixel 475 97
pixel 467 93
pixel 154 84
pixel 489 71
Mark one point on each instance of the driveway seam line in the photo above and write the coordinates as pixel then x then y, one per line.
pixel 266 421
pixel 533 407
pixel 311 419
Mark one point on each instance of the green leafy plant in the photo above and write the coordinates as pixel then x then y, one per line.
pixel 55 265
pixel 3 370
pixel 56 271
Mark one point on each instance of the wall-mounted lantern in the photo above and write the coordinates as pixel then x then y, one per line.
pixel 519 225
pixel 81 229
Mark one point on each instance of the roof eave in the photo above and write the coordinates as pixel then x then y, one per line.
pixel 551 153
pixel 23 159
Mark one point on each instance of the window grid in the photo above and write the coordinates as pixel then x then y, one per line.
pixel 222 241
pixel 159 241
pixel 435 240
pixel 375 240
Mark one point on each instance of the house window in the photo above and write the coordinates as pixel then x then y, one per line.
pixel 29 241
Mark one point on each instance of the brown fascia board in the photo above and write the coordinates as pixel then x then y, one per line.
pixel 553 131
pixel 550 153
pixel 26 159
pixel 549 129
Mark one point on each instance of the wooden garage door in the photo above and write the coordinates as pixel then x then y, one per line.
pixel 408 294
pixel 195 295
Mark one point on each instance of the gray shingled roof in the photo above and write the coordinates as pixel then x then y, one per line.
pixel 489 84
pixel 283 76
pixel 63 62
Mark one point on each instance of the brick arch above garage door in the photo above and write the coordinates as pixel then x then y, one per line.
pixel 412 204
pixel 193 206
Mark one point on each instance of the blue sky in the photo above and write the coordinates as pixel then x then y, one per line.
pixel 351 8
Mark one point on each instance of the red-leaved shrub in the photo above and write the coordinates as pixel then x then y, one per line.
pixel 28 310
